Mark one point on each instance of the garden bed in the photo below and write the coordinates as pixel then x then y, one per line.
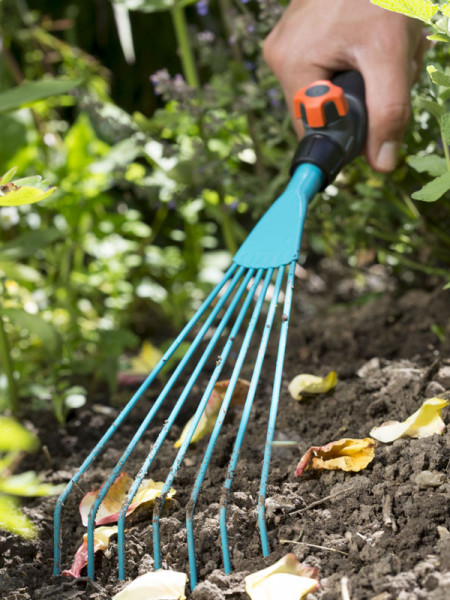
pixel 386 528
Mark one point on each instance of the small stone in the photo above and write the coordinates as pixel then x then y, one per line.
pixel 429 479
pixel 443 532
pixel 443 377
pixel 382 596
pixel 369 367
pixel 434 389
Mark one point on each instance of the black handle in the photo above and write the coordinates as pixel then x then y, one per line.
pixel 334 116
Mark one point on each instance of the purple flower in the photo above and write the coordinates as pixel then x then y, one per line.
pixel 202 8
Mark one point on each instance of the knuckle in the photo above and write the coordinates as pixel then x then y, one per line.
pixel 395 115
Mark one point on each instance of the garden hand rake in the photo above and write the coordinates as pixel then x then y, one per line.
pixel 334 118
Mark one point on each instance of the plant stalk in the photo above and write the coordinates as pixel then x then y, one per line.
pixel 184 46
pixel 5 355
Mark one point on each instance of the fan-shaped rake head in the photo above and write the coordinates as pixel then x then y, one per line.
pixel 243 295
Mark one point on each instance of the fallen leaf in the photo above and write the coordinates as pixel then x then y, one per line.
pixel 424 422
pixel 345 454
pixel 311 384
pixel 156 585
pixel 287 579
pixel 209 416
pixel 102 537
pixel 141 365
pixel 109 509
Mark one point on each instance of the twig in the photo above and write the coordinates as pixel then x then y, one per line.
pixel 314 546
pixel 344 588
pixel 388 518
pixel 321 501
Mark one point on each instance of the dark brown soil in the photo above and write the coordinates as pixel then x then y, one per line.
pixel 386 528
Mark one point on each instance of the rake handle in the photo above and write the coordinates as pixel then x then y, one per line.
pixel 334 117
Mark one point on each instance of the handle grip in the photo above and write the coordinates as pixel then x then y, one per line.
pixel 335 121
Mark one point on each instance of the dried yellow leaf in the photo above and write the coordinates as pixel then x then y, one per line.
pixel 424 422
pixel 102 537
pixel 311 384
pixel 346 455
pixel 109 509
pixel 156 585
pixel 209 416
pixel 287 579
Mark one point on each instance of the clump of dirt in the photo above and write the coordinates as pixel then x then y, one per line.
pixel 386 528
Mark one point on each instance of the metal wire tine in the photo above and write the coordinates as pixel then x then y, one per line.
pixel 164 431
pixel 159 503
pixel 150 415
pixel 261 292
pixel 125 412
pixel 244 421
pixel 274 409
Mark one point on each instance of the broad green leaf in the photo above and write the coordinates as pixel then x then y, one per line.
pixel 28 484
pixel 418 9
pixel 445 9
pixel 24 195
pixel 32 91
pixel 434 190
pixel 28 244
pixel 445 127
pixel 438 77
pixel 15 438
pixel 433 164
pixel 438 37
pixel 12 518
pixel 8 176
pixel 35 325
pixel 19 272
pixel 432 107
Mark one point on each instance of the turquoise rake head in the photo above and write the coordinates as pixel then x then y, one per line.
pixel 334 133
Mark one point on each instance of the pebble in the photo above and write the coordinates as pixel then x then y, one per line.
pixel 443 377
pixel 434 389
pixel 429 479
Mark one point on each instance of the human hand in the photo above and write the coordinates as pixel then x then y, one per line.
pixel 314 39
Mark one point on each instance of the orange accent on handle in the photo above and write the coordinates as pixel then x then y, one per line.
pixel 314 97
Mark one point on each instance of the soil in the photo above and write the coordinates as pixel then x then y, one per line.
pixel 386 528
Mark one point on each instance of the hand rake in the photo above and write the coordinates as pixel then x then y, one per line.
pixel 334 118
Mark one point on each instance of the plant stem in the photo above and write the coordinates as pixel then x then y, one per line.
pixel 227 232
pixel 446 150
pixel 184 46
pixel 5 355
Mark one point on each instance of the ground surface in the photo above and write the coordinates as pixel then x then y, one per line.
pixel 386 528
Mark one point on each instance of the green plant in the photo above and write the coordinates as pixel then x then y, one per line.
pixel 14 441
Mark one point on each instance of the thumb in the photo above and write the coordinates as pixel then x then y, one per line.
pixel 389 111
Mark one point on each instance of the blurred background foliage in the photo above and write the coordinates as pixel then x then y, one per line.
pixel 176 140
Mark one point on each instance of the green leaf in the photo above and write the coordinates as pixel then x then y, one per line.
pixel 15 438
pixel 438 77
pixel 445 9
pixel 433 164
pixel 439 37
pixel 434 190
pixel 418 9
pixel 33 91
pixel 19 272
pixel 35 325
pixel 432 107
pixel 445 127
pixel 446 286
pixel 8 176
pixel 28 484
pixel 24 195
pixel 12 518
pixel 28 244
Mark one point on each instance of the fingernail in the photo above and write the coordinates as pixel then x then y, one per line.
pixel 387 156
